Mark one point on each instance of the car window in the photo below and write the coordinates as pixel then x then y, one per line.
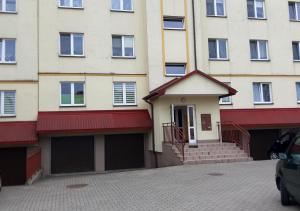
pixel 295 152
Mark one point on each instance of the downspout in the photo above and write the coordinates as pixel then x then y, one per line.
pixel 194 35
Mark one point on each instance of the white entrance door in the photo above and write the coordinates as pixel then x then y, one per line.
pixel 191 124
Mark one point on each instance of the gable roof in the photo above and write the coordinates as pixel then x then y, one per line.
pixel 161 90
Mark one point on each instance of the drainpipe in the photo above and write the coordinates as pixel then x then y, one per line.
pixel 194 35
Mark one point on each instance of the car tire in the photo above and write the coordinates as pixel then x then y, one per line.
pixel 285 196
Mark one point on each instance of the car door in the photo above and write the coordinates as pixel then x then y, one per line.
pixel 292 170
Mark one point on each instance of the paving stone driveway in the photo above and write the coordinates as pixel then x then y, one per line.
pixel 244 186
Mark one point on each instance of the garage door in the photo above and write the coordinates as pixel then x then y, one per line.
pixel 72 154
pixel 124 151
pixel 13 166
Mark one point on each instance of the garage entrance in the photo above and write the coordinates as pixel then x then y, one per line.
pixel 13 166
pixel 124 151
pixel 72 154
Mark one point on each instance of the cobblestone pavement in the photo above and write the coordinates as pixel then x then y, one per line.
pixel 242 187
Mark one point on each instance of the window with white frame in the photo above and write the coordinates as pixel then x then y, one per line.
pixel 262 93
pixel 173 23
pixel 124 93
pixel 71 3
pixel 259 50
pixel 256 9
pixel 226 100
pixel 72 94
pixel 7 5
pixel 218 49
pixel 7 50
pixel 71 44
pixel 122 46
pixel 294 11
pixel 121 5
pixel 175 69
pixel 296 51
pixel 298 91
pixel 7 103
pixel 215 7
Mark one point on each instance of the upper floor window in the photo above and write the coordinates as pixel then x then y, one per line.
pixel 298 91
pixel 215 7
pixel 7 5
pixel 7 103
pixel 173 23
pixel 218 49
pixel 296 51
pixel 226 100
pixel 294 11
pixel 124 93
pixel 7 50
pixel 72 94
pixel 121 5
pixel 256 9
pixel 71 44
pixel 175 69
pixel 262 93
pixel 71 3
pixel 259 50
pixel 123 46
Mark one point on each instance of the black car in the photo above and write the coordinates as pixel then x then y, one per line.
pixel 288 173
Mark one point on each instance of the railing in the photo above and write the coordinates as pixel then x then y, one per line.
pixel 175 136
pixel 234 133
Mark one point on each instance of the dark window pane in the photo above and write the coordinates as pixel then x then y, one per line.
pixel 257 92
pixel 77 3
pixel 10 50
pixel 1 44
pixel 127 5
pixel 220 7
pixel 263 50
pixel 128 45
pixel 266 93
pixel 296 54
pixel 298 10
pixel 292 10
pixel 173 23
pixel 175 69
pixel 210 8
pixel 117 45
pixel 66 93
pixel 115 4
pixel 260 9
pixel 65 44
pixel 79 93
pixel 250 8
pixel 212 47
pixel 253 50
pixel 222 49
pixel 298 91
pixel 78 44
pixel 11 5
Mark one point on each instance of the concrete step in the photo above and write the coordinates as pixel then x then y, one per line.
pixel 221 160
pixel 235 151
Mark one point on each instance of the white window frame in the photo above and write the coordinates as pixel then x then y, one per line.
pixel 258 50
pixel 263 102
pixel 215 9
pixel 175 64
pixel 72 94
pixel 298 101
pixel 173 19
pixel 124 93
pixel 121 7
pixel 2 104
pixel 229 97
pixel 3 9
pixel 72 45
pixel 255 11
pixel 296 11
pixel 71 5
pixel 218 50
pixel 123 46
pixel 296 60
pixel 3 53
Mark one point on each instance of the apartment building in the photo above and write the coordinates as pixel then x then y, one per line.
pixel 102 85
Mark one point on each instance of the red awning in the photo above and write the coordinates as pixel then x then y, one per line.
pixel 94 121
pixel 18 133
pixel 261 118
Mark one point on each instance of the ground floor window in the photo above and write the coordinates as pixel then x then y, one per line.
pixel 7 103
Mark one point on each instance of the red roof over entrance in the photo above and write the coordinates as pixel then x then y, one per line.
pixel 18 133
pixel 93 121
pixel 262 118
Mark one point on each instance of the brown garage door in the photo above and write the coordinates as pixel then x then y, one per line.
pixel 13 166
pixel 124 151
pixel 72 154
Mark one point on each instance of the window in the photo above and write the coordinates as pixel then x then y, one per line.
pixel 298 91
pixel 71 3
pixel 226 100
pixel 72 94
pixel 259 50
pixel 262 93
pixel 123 46
pixel 7 5
pixel 215 7
pixel 7 103
pixel 296 51
pixel 294 11
pixel 121 5
pixel 124 93
pixel 7 50
pixel 256 9
pixel 217 49
pixel 173 23
pixel 175 69
pixel 71 44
